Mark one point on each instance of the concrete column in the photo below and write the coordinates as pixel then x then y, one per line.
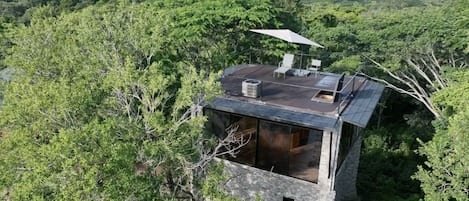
pixel 325 174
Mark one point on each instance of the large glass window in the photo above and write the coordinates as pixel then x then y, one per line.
pixel 272 146
pixel 245 131
pixel 218 122
pixel 244 128
pixel 346 141
pixel 305 153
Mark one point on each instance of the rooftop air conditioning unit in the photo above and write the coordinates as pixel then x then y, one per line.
pixel 252 88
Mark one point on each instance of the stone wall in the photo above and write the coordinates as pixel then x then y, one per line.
pixel 345 180
pixel 248 183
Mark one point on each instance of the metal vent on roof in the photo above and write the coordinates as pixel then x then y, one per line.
pixel 251 88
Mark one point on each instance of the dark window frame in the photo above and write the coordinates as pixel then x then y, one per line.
pixel 348 137
pixel 289 125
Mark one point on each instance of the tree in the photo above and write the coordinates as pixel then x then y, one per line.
pixel 411 50
pixel 445 175
pixel 418 51
pixel 3 42
pixel 446 172
pixel 98 111
pixel 114 96
pixel 20 11
pixel 214 34
pixel 432 68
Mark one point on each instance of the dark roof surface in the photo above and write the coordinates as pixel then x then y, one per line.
pixel 359 111
pixel 289 99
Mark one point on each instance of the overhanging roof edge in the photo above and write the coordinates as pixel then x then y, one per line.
pixel 359 111
pixel 273 113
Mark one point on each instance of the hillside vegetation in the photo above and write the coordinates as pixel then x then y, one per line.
pixel 105 97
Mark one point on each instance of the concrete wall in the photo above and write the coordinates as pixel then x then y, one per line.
pixel 346 177
pixel 247 182
pixel 325 176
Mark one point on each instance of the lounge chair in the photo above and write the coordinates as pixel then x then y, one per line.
pixel 315 66
pixel 285 65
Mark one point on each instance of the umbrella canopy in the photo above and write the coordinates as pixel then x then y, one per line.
pixel 287 35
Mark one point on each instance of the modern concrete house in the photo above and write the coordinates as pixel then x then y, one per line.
pixel 303 132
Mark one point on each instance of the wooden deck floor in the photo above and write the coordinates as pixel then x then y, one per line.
pixel 291 92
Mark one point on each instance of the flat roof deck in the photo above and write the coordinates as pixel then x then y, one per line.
pixel 292 92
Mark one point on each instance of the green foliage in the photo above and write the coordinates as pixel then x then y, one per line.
pixel 454 98
pixel 107 116
pixel 445 174
pixel 211 187
pixel 332 26
pixel 4 42
pixel 388 37
pixel 113 95
pixel 347 65
pixel 101 98
pixel 20 11
pixel 386 164
pixel 2 88
pixel 355 33
pixel 212 34
pixel 258 197
pixel 380 5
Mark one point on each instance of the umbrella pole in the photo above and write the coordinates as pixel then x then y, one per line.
pixel 301 56
pixel 301 61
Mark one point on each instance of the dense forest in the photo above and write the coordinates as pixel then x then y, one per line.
pixel 104 98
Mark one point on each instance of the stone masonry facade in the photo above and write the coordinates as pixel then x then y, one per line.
pixel 248 183
pixel 345 180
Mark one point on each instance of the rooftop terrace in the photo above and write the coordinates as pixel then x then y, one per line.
pixel 292 92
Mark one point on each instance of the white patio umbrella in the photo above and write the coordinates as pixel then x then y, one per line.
pixel 287 35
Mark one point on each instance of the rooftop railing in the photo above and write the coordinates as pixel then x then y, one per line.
pixel 348 92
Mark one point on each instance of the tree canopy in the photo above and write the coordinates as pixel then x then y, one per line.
pixel 105 98
pixel 106 102
pixel 418 49
pixel 445 174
